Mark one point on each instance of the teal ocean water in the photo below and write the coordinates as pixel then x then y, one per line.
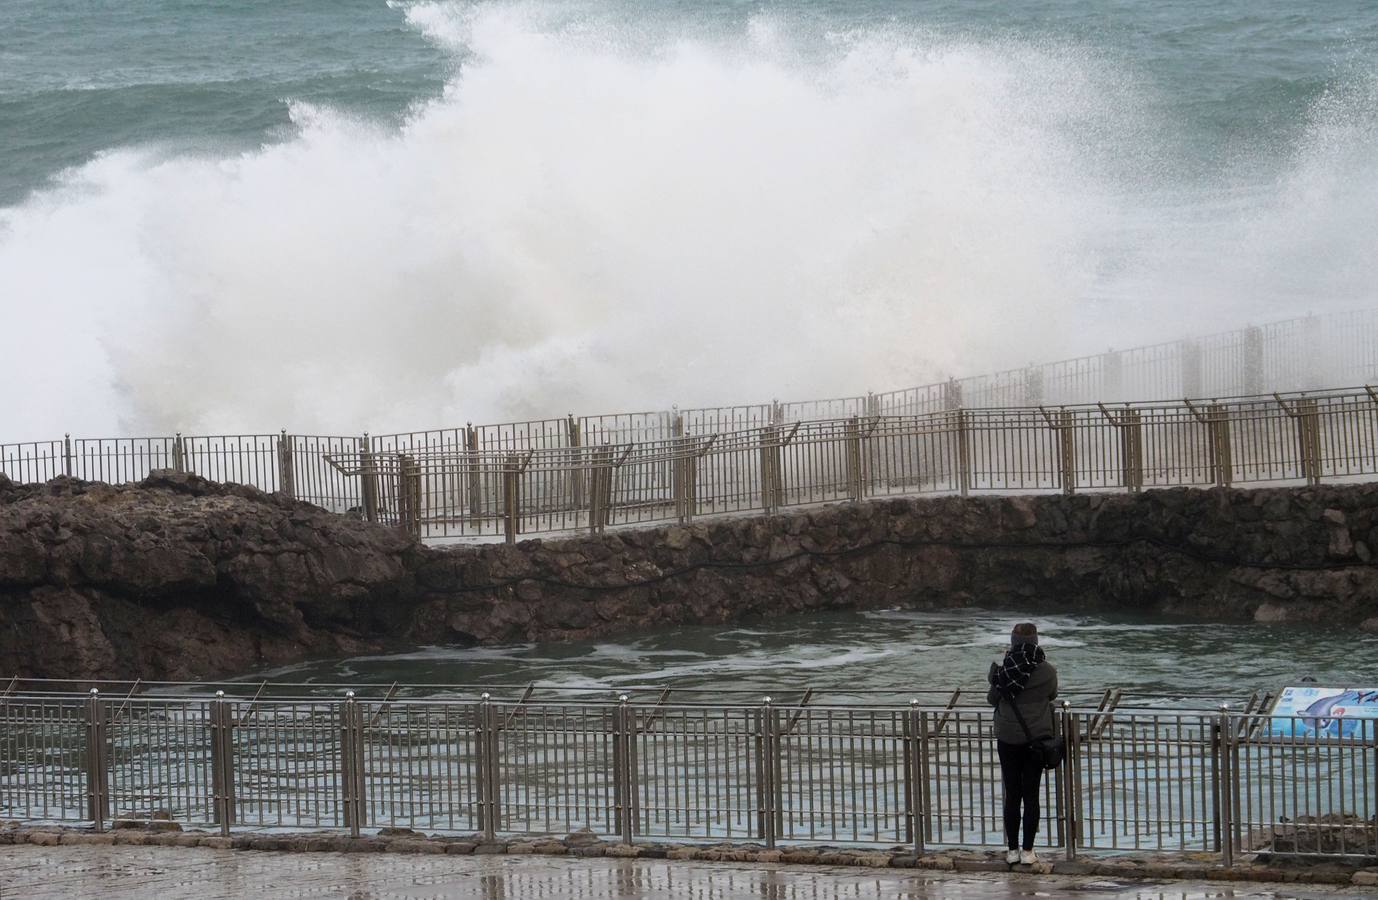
pixel 885 656
pixel 367 214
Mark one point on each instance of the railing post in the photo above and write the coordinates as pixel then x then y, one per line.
pixel 916 775
pixel 67 455
pixel 486 741
pixel 511 499
pixel 1033 386
pixel 1189 358
pixel 179 459
pixel 772 489
pixel 576 472
pixel 222 763
pixel 963 451
pixel 600 489
pixel 1253 360
pixel 1067 450
pixel 475 474
pixel 624 768
pixel 1132 450
pixel 1111 375
pixel 1067 778
pixel 680 463
pixel 1309 439
pixel 1222 457
pixel 1224 786
pixel 368 475
pixel 96 759
pixel 856 483
pixel 409 495
pixel 352 764
pixel 952 394
pixel 287 473
pixel 767 758
pixel 1313 353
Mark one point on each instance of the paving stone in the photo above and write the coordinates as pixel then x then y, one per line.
pixel 61 872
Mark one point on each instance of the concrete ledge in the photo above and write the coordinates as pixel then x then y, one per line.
pixel 1157 866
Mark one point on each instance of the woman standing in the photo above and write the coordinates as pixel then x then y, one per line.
pixel 1026 678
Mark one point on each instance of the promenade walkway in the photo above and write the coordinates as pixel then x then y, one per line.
pixel 60 873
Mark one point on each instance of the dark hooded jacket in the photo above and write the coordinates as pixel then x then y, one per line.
pixel 1035 702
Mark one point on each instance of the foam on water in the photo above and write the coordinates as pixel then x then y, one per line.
pixel 849 654
pixel 597 215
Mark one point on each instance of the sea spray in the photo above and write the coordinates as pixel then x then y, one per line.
pixel 597 217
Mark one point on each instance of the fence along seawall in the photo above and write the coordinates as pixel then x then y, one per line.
pixel 778 773
pixel 1060 426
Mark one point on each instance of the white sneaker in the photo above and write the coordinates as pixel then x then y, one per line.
pixel 1012 857
pixel 1028 858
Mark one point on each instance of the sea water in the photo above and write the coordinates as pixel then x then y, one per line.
pixel 883 656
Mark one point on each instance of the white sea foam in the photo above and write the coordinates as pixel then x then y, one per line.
pixel 595 217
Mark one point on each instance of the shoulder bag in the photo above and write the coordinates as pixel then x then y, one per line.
pixel 1050 750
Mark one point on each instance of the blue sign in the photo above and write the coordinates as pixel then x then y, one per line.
pixel 1332 712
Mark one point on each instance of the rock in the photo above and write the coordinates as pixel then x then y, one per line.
pixel 179 578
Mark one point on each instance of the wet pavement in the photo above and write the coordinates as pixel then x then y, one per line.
pixel 163 873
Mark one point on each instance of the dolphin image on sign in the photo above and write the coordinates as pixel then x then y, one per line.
pixel 1326 714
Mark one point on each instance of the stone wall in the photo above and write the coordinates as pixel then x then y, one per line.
pixel 181 578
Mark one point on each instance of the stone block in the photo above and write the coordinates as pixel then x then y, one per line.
pixel 217 843
pixel 622 851
pixel 44 838
pixel 462 848
pixel 1367 877
pixel 490 849
pixel 800 856
pixel 682 853
pixel 550 848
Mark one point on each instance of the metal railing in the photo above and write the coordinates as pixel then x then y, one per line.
pixel 1051 427
pixel 440 492
pixel 1213 781
pixel 466 488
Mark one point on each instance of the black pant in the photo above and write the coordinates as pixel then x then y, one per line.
pixel 1022 771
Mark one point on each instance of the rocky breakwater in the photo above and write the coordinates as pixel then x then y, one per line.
pixel 181 578
pixel 178 577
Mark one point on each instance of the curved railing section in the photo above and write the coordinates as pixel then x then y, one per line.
pixel 1057 427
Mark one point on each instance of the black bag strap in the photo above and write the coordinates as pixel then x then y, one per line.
pixel 1020 716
